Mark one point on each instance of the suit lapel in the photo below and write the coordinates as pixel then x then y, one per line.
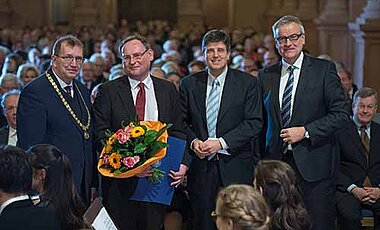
pixel 200 91
pixel 275 103
pixel 160 97
pixel 304 78
pixel 125 95
pixel 228 93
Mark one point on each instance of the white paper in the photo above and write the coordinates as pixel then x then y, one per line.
pixel 103 221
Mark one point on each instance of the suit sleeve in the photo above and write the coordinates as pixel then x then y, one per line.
pixel 335 104
pixel 31 118
pixel 250 127
pixel 102 115
pixel 178 129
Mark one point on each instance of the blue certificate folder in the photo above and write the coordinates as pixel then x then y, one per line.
pixel 162 192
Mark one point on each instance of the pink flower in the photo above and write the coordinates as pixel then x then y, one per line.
pixel 122 136
pixel 129 162
pixel 128 129
pixel 106 159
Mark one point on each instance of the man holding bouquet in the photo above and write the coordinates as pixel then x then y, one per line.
pixel 137 94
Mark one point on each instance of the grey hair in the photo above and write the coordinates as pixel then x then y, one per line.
pixel 284 20
pixel 8 94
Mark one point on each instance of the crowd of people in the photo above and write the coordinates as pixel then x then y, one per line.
pixel 276 139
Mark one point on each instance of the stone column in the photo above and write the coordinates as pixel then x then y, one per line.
pixel 84 12
pixel 366 33
pixel 333 30
pixel 189 12
pixel 307 11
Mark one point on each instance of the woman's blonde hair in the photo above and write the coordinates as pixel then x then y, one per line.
pixel 245 206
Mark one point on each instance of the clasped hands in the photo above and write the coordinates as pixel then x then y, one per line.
pixel 366 195
pixel 292 135
pixel 204 148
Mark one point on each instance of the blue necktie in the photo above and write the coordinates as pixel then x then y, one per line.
pixel 212 109
pixel 287 99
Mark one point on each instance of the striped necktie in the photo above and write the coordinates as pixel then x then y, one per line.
pixel 287 99
pixel 212 109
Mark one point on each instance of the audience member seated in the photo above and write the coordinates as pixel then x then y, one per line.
pixel 11 63
pixel 100 65
pixel 270 58
pixel 278 183
pixel 196 66
pixel 8 82
pixel 17 210
pixel 157 72
pixel 174 78
pixel 358 177
pixel 26 73
pixel 241 207
pixel 9 102
pixel 52 179
pixel 87 75
pixel 348 86
pixel 248 65
pixel 3 53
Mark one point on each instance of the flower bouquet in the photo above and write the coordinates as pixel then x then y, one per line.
pixel 133 148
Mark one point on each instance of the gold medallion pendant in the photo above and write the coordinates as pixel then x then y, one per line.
pixel 84 127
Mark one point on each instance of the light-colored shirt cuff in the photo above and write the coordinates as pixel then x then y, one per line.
pixel 191 144
pixel 223 143
pixel 351 187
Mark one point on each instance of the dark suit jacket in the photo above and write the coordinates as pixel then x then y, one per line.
pixel 4 133
pixel 23 215
pixel 239 121
pixel 353 163
pixel 114 104
pixel 319 105
pixel 42 118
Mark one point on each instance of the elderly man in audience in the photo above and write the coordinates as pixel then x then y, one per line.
pixel 87 75
pixel 100 68
pixel 9 102
pixel 17 210
pixel 358 178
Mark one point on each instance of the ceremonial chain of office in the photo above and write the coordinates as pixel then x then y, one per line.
pixel 86 127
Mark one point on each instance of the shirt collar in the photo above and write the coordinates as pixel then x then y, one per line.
pixel 12 131
pixel 358 125
pixel 221 77
pixel 297 63
pixel 61 82
pixel 14 199
pixel 148 82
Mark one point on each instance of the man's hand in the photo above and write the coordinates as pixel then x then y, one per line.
pixel 373 194
pixel 198 149
pixel 361 194
pixel 292 135
pixel 147 172
pixel 212 146
pixel 178 176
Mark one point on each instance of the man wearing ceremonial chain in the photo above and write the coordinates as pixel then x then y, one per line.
pixel 55 109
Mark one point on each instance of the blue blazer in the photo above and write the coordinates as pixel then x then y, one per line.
pixel 43 118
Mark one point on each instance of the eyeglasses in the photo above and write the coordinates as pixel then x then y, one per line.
pixel 135 56
pixel 369 107
pixel 292 38
pixel 69 59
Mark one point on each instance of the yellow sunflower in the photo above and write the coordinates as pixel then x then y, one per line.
pixel 137 131
pixel 115 160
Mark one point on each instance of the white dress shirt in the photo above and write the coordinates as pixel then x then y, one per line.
pixel 12 136
pixel 12 200
pixel 151 108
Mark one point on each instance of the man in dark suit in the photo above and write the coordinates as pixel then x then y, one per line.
pixel 17 210
pixel 55 109
pixel 9 102
pixel 121 100
pixel 358 178
pixel 222 113
pixel 304 106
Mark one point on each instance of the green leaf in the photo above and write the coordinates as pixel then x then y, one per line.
pixel 139 148
pixel 157 176
pixel 150 136
pixel 161 131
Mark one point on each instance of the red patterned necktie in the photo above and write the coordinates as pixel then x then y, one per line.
pixel 68 90
pixel 140 102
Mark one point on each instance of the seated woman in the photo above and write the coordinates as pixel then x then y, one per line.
pixel 277 182
pixel 52 178
pixel 241 207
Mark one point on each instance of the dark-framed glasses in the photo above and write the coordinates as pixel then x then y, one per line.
pixel 291 38
pixel 69 59
pixel 135 56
